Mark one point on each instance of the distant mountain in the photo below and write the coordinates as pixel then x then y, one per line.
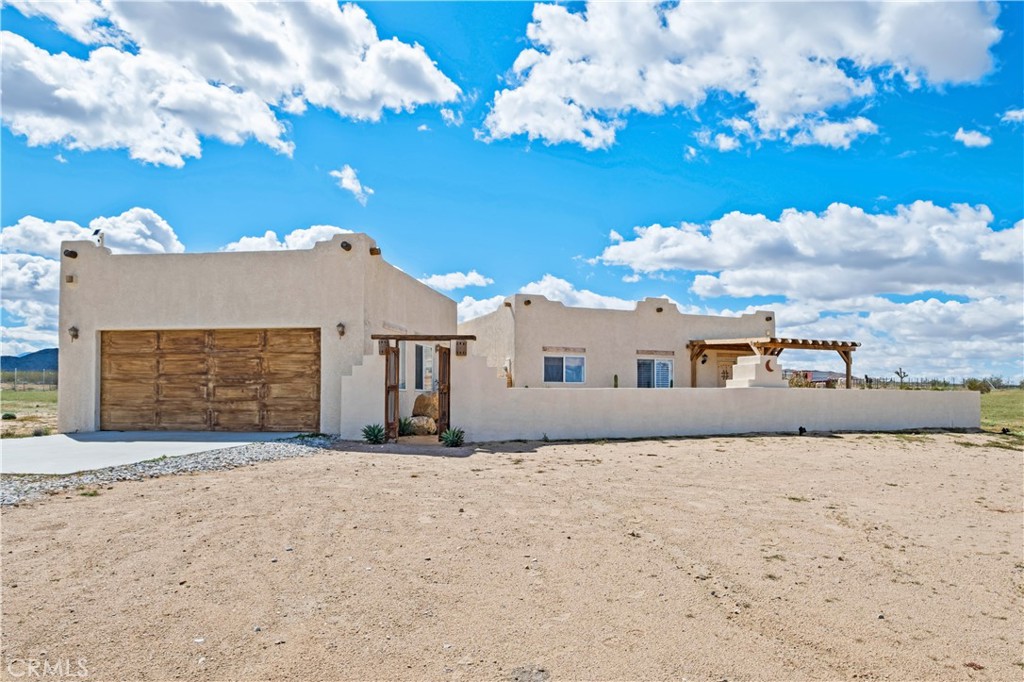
pixel 32 362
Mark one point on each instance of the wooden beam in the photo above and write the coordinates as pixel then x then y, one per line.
pixel 423 337
pixel 847 356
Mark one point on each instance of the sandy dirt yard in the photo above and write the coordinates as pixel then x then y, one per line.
pixel 749 558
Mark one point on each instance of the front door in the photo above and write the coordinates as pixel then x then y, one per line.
pixel 444 373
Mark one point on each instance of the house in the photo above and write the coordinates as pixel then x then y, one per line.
pixel 231 341
pixel 333 338
pixel 544 343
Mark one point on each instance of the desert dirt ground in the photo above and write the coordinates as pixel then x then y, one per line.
pixel 745 558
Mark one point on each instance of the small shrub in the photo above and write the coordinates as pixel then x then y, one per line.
pixel 975 384
pixel 405 426
pixel 90 493
pixel 374 434
pixel 10 415
pixel 452 437
pixel 41 431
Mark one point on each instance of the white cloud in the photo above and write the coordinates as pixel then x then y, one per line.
pixel 348 180
pixel 837 135
pixel 457 280
pixel 451 117
pixel 795 64
pixel 470 308
pixel 1013 116
pixel 167 88
pixel 137 230
pixel 423 128
pixel 690 153
pixel 847 273
pixel 31 266
pixel 59 158
pixel 296 239
pixel 972 138
pixel 841 252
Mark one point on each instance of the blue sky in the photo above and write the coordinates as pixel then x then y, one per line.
pixel 857 168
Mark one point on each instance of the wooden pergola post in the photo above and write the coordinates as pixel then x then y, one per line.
pixel 847 356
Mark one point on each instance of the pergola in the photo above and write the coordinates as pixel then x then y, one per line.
pixel 770 345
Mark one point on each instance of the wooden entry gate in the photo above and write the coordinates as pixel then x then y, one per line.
pixel 388 347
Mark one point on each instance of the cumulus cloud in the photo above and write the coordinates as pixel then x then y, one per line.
pixel 470 308
pixel 348 180
pixel 31 266
pixel 840 252
pixel 847 273
pixel 137 230
pixel 837 135
pixel 457 280
pixel 972 138
pixel 795 65
pixel 296 239
pixel 1013 116
pixel 155 87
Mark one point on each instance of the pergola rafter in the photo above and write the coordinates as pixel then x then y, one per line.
pixel 770 345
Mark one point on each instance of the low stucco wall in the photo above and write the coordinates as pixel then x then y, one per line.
pixel 486 410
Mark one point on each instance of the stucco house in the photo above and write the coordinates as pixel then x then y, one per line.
pixel 333 338
pixel 544 343
pixel 231 341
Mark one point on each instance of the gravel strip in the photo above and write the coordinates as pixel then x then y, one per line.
pixel 15 489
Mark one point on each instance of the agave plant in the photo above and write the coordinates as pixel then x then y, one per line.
pixel 452 437
pixel 405 426
pixel 374 434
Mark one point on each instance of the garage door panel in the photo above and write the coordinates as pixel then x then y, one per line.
pixel 128 418
pixel 238 392
pixel 237 339
pixel 129 367
pixel 236 366
pixel 129 342
pixel 183 341
pixel 182 391
pixel 303 416
pixel 291 364
pixel 293 340
pixel 184 364
pixel 116 392
pixel 305 390
pixel 225 380
pixel 237 418
pixel 182 417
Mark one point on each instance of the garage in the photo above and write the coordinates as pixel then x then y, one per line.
pixel 210 380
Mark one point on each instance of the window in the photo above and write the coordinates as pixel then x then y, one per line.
pixel 564 369
pixel 654 373
pixel 424 368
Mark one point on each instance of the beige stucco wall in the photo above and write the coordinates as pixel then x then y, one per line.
pixel 611 338
pixel 486 410
pixel 318 287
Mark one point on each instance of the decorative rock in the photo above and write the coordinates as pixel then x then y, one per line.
pixel 426 406
pixel 424 426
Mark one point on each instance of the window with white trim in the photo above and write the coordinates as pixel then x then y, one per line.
pixel 569 369
pixel 652 373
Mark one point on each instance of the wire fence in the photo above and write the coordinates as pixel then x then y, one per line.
pixel 24 380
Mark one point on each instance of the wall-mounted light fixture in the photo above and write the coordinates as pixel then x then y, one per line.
pixel 341 329
pixel 345 246
pixel 73 333
pixel 659 309
pixel 704 359
pixel 70 253
pixel 374 251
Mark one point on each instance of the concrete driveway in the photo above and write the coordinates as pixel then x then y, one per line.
pixel 67 453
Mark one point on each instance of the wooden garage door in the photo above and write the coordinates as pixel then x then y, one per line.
pixel 211 380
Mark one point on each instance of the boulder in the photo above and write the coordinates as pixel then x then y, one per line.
pixel 423 426
pixel 425 406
